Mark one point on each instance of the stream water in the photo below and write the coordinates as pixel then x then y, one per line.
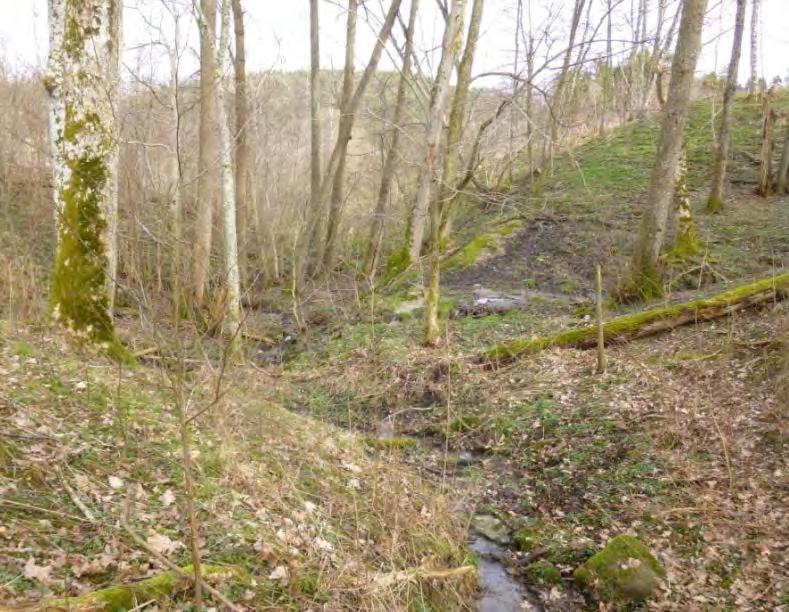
pixel 500 592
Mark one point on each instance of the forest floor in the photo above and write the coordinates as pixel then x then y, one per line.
pixel 681 442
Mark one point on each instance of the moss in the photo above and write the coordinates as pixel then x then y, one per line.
pixel 470 253
pixel 126 597
pixel 714 205
pixel 622 572
pixel 624 326
pixel 464 423
pixel 529 536
pixel 544 573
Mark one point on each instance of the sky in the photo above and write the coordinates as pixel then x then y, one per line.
pixel 278 34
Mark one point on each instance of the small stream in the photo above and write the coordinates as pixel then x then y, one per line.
pixel 500 592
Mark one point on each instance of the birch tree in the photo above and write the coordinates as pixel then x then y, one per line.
pixel 232 318
pixel 85 36
pixel 715 200
pixel 207 154
pixel 433 130
pixel 241 130
pixel 645 277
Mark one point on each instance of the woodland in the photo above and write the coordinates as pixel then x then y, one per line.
pixel 416 329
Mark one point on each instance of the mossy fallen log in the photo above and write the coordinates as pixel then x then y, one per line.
pixel 648 322
pixel 127 596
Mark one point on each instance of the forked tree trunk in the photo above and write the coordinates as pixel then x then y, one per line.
pixel 645 277
pixel 715 201
pixel 207 155
pixel 433 130
pixel 232 318
pixel 84 145
pixel 393 154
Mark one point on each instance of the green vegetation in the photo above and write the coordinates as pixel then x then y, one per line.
pixel 622 572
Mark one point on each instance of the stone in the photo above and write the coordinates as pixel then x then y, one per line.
pixel 623 572
pixel 491 527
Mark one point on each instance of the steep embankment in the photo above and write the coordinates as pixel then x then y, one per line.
pixel 291 513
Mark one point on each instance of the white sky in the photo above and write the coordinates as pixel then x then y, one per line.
pixel 278 33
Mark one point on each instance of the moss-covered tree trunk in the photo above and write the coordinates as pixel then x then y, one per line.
pixel 84 148
pixel 441 206
pixel 645 278
pixel 715 201
pixel 686 241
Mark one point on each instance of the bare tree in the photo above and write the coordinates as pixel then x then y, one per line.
pixel 715 200
pixel 242 118
pixel 315 114
pixel 433 130
pixel 645 277
pixel 206 167
pixel 441 206
pixel 232 318
pixel 84 151
pixel 393 153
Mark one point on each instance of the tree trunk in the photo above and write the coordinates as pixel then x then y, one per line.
pixel 753 82
pixel 242 118
pixel 715 201
pixel 686 242
pixel 85 141
pixel 782 182
pixel 765 187
pixel 232 318
pixel 113 79
pixel 645 278
pixel 174 187
pixel 447 193
pixel 341 145
pixel 433 130
pixel 393 154
pixel 441 206
pixel 207 155
pixel 315 209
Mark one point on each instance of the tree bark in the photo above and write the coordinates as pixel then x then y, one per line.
pixel 174 171
pixel 753 82
pixel 782 182
pixel 433 130
pixel 232 318
pixel 765 187
pixel 84 151
pixel 715 200
pixel 393 154
pixel 315 209
pixel 207 155
pixel 686 242
pixel 645 277
pixel 242 119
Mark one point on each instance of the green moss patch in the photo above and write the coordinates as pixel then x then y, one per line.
pixel 622 572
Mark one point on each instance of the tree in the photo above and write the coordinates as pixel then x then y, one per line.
pixel 433 131
pixel 207 154
pixel 232 318
pixel 441 206
pixel 715 200
pixel 86 41
pixel 241 129
pixel 393 154
pixel 315 113
pixel 686 241
pixel 334 172
pixel 645 278
pixel 754 80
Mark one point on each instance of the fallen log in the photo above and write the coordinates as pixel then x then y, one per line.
pixel 128 596
pixel 648 322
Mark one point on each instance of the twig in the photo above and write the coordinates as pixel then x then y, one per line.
pixel 725 454
pixel 172 566
pixel 23 506
pixel 77 501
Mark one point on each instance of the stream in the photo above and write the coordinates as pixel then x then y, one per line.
pixel 500 592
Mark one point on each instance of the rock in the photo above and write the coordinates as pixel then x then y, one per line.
pixel 543 573
pixel 623 572
pixel 491 527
